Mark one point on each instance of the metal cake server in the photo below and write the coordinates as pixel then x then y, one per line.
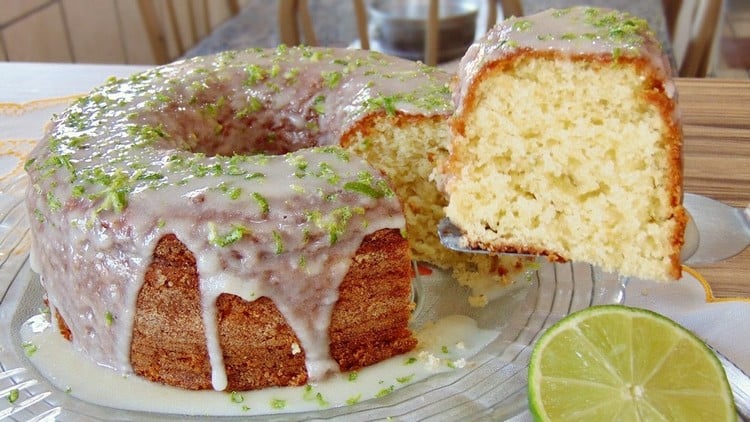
pixel 715 232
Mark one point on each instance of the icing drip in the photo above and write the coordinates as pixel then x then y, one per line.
pixel 201 149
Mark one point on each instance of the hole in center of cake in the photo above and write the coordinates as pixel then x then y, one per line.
pixel 220 122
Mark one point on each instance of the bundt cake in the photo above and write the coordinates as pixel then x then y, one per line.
pixel 199 225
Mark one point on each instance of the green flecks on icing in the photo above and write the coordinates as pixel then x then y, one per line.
pixel 326 172
pixel 115 189
pixel 232 236
pixel 364 189
pixel 522 25
pixel 291 75
pixel 432 98
pixel 275 69
pixel 53 203
pixel 388 104
pixel 614 25
pixel 255 74
pixel 39 215
pixel 299 163
pixel 109 319
pixel 368 185
pixel 331 78
pixel 233 192
pixel 103 178
pixel 29 164
pixel 262 202
pixel 318 105
pixel 146 134
pixel 277 242
pixel 253 105
pixel 335 223
pixel 339 152
pixel 212 108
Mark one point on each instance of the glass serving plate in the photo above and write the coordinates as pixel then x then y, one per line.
pixel 493 387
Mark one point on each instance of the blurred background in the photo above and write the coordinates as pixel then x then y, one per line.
pixel 706 38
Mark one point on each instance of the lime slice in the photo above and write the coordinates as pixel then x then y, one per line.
pixel 616 363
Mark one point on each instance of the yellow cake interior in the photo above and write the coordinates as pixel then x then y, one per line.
pixel 573 158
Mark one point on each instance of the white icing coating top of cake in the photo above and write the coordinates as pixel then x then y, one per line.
pixel 575 31
pixel 200 149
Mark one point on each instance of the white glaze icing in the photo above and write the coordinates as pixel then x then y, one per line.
pixel 194 149
pixel 580 31
pixel 445 345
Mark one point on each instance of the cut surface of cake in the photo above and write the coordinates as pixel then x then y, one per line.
pixel 567 143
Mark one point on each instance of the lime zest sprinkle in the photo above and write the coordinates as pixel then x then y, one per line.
pixel 29 348
pixel 278 404
pixel 262 202
pixel 109 319
pixel 386 391
pixel 354 399
pixel 233 236
pixel 321 401
pixel 278 242
pixel 405 379
pixel 236 397
pixel 318 105
pixel 13 396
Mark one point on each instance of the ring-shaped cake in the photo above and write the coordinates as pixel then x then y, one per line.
pixel 200 225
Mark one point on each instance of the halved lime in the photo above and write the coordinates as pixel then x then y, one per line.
pixel 617 363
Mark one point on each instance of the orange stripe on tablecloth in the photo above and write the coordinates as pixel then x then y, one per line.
pixel 20 108
pixel 710 298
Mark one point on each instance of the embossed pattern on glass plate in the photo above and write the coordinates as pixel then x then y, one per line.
pixel 493 387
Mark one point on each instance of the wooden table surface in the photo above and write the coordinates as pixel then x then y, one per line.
pixel 716 125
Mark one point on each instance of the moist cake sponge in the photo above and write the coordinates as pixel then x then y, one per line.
pixel 567 143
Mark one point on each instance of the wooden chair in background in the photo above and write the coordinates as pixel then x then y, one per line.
pixel 693 27
pixel 173 26
pixel 296 26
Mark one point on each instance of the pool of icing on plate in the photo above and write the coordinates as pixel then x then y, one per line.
pixel 444 345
